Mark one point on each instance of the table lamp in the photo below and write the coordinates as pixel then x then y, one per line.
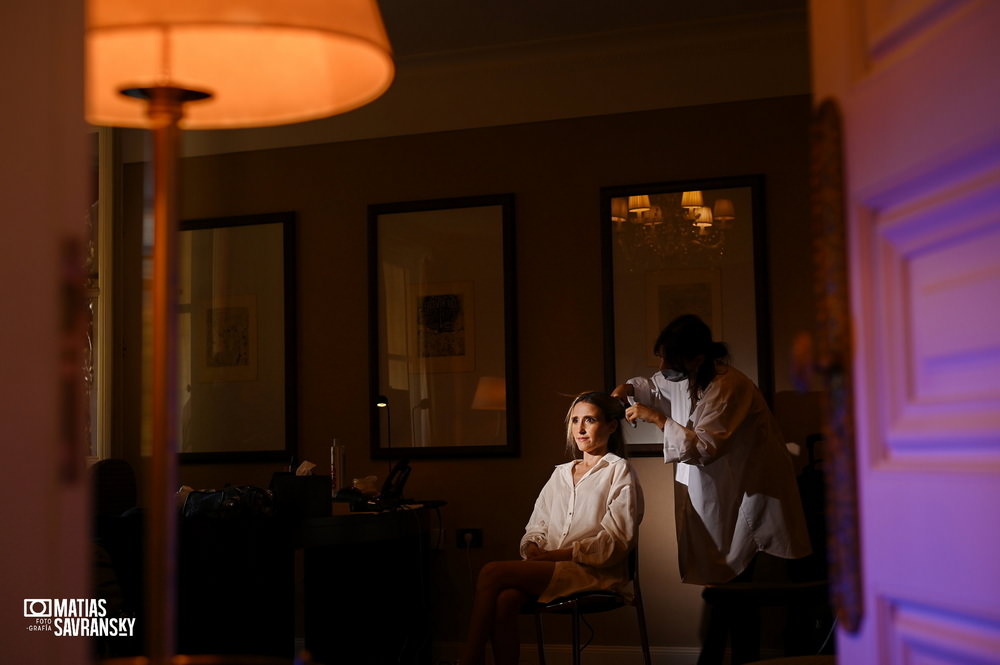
pixel 491 395
pixel 167 65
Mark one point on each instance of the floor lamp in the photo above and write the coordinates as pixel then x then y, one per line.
pixel 212 65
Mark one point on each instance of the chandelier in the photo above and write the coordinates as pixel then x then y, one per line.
pixel 675 226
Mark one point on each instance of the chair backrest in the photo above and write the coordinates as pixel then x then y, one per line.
pixel 114 487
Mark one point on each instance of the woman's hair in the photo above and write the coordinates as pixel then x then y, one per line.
pixel 611 409
pixel 686 337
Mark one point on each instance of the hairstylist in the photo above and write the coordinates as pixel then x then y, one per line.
pixel 736 494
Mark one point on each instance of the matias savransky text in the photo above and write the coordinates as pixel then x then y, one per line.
pixel 76 617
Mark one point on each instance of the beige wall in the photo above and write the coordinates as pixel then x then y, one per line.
pixel 556 170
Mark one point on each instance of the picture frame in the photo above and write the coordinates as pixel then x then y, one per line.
pixel 236 339
pixel 443 328
pixel 665 254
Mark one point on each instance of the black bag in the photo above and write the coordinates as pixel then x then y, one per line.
pixel 231 502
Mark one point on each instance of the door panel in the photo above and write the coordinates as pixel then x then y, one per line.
pixel 918 87
pixel 941 338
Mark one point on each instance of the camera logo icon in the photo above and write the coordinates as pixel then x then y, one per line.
pixel 37 607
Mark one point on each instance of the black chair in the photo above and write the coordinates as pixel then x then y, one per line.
pixel 807 604
pixel 805 595
pixel 591 602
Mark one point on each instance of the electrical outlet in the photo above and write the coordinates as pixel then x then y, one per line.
pixel 471 538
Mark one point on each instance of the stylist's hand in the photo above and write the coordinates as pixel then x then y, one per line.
pixel 647 413
pixel 623 392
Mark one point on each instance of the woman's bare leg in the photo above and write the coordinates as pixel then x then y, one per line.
pixel 527 577
pixel 506 639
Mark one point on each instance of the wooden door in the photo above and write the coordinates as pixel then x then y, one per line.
pixel 44 490
pixel 917 83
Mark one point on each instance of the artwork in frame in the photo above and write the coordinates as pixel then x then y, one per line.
pixel 444 332
pixel 227 349
pixel 670 294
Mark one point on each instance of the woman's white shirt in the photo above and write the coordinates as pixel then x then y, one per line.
pixel 598 517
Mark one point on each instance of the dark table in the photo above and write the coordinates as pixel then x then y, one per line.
pixel 366 587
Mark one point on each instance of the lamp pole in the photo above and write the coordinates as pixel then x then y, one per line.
pixel 165 109
pixel 257 79
pixel 383 403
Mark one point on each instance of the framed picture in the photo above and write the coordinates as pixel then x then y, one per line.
pixel 443 357
pixel 694 247
pixel 670 294
pixel 236 337
pixel 226 348
pixel 443 338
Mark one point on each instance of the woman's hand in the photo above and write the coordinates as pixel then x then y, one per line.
pixel 565 554
pixel 647 413
pixel 532 551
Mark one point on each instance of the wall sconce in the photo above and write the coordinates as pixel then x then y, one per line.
pixel 212 65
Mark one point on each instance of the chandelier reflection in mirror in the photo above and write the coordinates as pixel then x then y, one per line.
pixel 681 227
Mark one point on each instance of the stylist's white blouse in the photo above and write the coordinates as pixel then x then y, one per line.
pixel 598 518
pixel 736 493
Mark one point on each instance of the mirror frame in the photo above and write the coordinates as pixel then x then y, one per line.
pixel 761 288
pixel 378 362
pixel 286 221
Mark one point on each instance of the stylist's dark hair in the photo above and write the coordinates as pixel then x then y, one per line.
pixel 611 409
pixel 686 337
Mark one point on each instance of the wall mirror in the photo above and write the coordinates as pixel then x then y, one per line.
pixel 236 339
pixel 443 362
pixel 693 247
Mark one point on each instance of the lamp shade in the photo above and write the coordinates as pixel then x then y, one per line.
pixel 638 203
pixel 704 218
pixel 263 62
pixel 491 394
pixel 619 210
pixel 692 200
pixel 724 210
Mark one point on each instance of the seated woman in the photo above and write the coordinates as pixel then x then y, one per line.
pixel 583 525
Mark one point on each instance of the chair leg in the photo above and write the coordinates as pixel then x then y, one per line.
pixel 576 635
pixel 539 638
pixel 643 635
